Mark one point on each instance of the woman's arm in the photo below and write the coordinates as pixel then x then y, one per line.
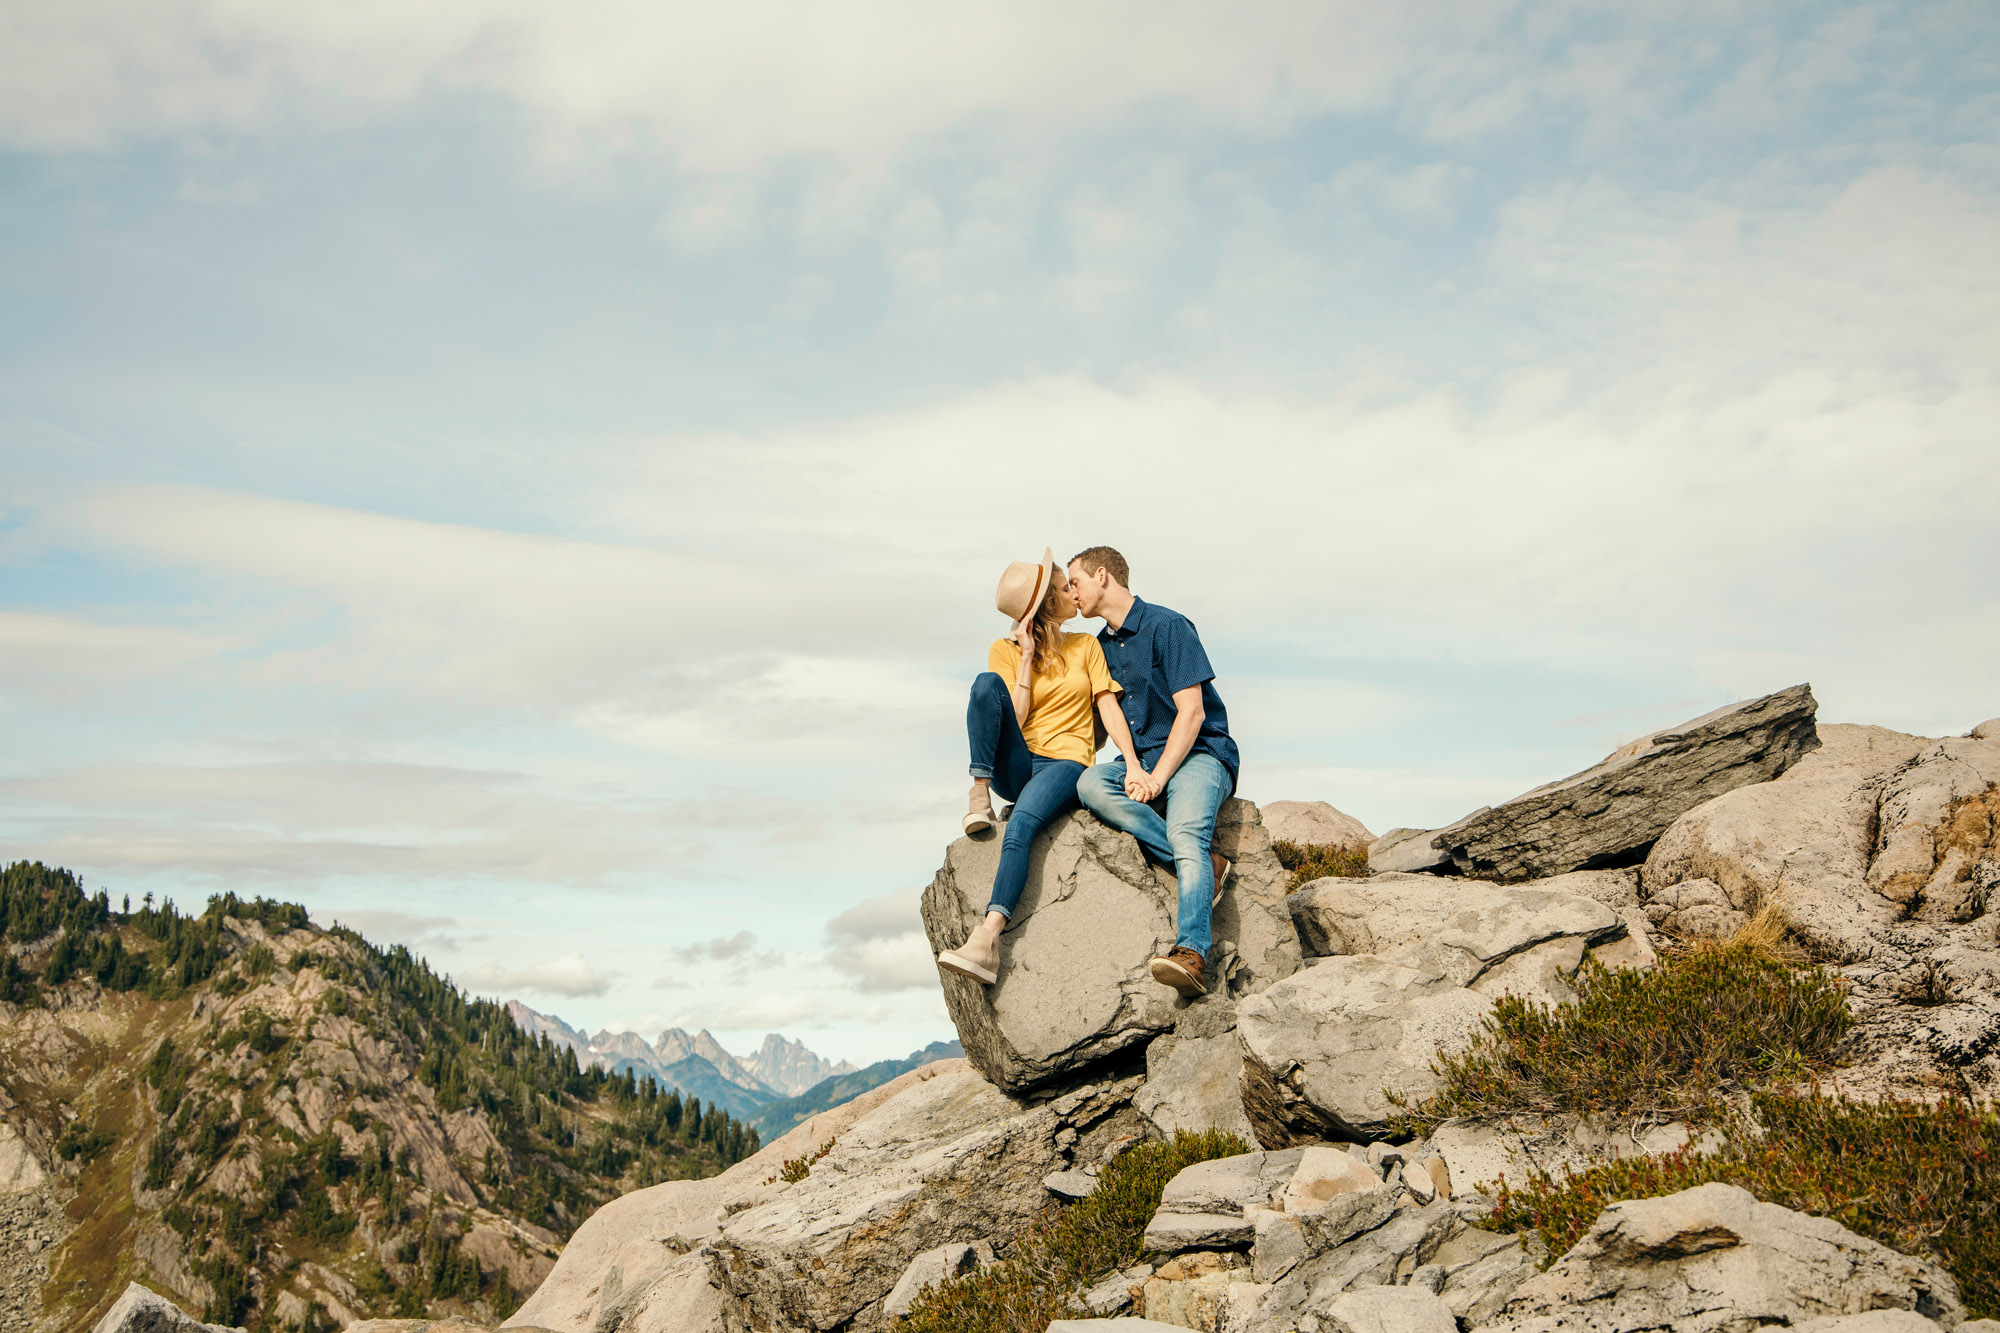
pixel 1023 694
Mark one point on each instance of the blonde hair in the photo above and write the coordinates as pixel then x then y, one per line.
pixel 1049 634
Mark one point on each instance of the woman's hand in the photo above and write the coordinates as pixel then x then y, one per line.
pixel 1024 634
pixel 1141 785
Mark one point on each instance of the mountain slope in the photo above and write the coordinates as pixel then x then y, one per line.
pixel 772 1121
pixel 259 1116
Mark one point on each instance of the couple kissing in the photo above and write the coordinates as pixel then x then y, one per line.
pixel 1038 715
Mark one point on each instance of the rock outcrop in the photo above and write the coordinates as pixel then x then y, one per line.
pixel 1610 813
pixel 938 1157
pixel 1074 992
pixel 140 1310
pixel 1408 965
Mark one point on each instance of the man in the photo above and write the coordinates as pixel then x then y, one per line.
pixel 1181 732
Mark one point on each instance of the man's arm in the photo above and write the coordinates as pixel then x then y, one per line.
pixel 1188 716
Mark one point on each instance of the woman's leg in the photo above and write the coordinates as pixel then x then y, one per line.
pixel 1000 757
pixel 1049 794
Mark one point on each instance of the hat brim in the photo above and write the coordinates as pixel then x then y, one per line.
pixel 1042 582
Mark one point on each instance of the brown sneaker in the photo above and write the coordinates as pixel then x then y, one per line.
pixel 1182 969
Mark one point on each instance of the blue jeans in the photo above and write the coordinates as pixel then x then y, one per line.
pixel 1041 788
pixel 1194 794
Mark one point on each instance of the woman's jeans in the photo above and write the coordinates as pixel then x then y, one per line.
pixel 1040 788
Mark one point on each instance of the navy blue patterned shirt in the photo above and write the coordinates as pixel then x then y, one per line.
pixel 1153 654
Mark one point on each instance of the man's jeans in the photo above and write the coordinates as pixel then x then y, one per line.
pixel 1041 788
pixel 1194 793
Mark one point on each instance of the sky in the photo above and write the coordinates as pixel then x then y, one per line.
pixel 526 480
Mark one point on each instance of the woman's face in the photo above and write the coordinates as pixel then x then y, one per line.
pixel 1064 597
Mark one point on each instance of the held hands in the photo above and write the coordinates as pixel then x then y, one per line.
pixel 1141 785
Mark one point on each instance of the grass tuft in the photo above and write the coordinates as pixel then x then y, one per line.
pixel 1068 1249
pixel 1309 861
pixel 1917 1177
pixel 1661 1043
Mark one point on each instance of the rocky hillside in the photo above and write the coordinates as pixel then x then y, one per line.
pixel 780 1117
pixel 280 1125
pixel 1704 1037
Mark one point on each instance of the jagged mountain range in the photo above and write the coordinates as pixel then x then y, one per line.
pixel 695 1063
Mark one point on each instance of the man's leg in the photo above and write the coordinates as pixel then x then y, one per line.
pixel 1195 794
pixel 1102 791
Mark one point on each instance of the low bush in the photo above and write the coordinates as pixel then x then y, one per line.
pixel 1309 861
pixel 1088 1240
pixel 1919 1178
pixel 1661 1043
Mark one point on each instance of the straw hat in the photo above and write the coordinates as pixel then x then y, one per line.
pixel 1024 585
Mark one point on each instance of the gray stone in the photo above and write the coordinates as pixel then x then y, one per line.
pixel 1461 927
pixel 1230 1185
pixel 1385 1310
pixel 1175 1233
pixel 1713 1258
pixel 1540 975
pixel 1127 1325
pixel 1074 990
pixel 1323 1174
pixel 1478 1154
pixel 1194 1074
pixel 1620 807
pixel 1320 1047
pixel 1114 1293
pixel 1313 824
pixel 1407 850
pixel 1070 1184
pixel 932 1268
pixel 1879 1321
pixel 141 1311
pixel 1989 730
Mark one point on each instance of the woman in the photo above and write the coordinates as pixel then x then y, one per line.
pixel 1033 733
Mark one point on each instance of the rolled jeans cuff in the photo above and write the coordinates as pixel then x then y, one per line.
pixel 981 771
pixel 996 907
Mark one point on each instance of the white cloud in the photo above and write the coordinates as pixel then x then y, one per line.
pixel 568 976
pixel 879 947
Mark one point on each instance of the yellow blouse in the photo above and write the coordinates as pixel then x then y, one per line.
pixel 1062 698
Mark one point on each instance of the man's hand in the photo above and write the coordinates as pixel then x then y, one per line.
pixel 1141 785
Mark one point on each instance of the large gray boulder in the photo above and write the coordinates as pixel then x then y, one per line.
pixel 1411 965
pixel 139 1310
pixel 1074 990
pixel 1713 1258
pixel 1607 814
pixel 1194 1074
pixel 1611 813
pixel 1321 1047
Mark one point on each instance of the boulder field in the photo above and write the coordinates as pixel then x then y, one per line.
pixel 1881 849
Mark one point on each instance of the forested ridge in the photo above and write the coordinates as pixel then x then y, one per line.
pixel 318 1123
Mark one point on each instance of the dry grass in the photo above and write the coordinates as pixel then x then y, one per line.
pixel 1311 861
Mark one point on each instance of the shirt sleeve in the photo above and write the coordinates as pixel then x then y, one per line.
pixel 1182 661
pixel 1003 659
pixel 1097 669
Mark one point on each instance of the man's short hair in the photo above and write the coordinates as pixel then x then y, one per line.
pixel 1095 558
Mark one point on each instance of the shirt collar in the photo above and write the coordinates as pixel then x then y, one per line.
pixel 1131 625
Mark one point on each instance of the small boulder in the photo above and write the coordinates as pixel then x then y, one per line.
pixel 1388 1310
pixel 933 1268
pixel 1313 824
pixel 1713 1258
pixel 1461 926
pixel 1321 1174
pixel 1407 850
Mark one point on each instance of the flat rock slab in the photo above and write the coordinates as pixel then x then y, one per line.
pixel 1611 813
pixel 1073 988
pixel 1230 1185
pixel 1462 927
pixel 1320 1047
pixel 1713 1258
pixel 1388 1310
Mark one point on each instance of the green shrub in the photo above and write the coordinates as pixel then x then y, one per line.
pixel 82 1143
pixel 1660 1043
pixel 1309 861
pixel 1094 1237
pixel 1919 1178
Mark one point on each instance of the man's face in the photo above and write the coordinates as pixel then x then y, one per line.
pixel 1088 588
